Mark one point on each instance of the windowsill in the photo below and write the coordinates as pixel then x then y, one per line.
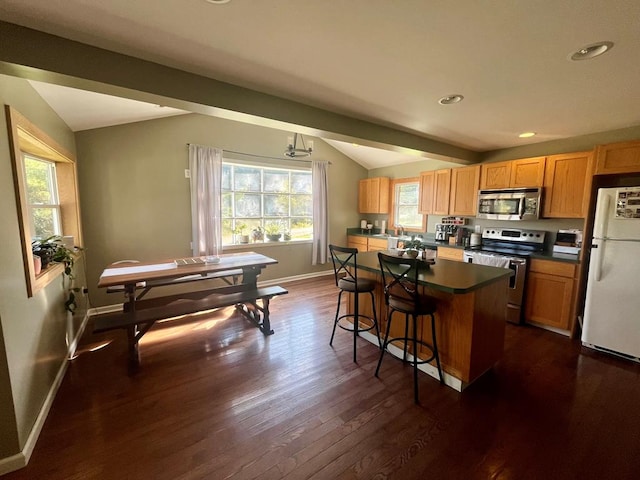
pixel 46 276
pixel 258 245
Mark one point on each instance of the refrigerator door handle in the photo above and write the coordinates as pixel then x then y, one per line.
pixel 599 251
pixel 603 217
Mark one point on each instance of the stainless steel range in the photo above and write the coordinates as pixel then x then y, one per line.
pixel 508 248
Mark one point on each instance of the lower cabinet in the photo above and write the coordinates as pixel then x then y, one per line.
pixel 354 241
pixel 449 253
pixel 550 293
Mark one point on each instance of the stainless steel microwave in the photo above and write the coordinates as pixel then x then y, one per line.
pixel 509 204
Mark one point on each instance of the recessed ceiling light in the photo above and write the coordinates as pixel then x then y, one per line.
pixel 449 99
pixel 591 51
pixel 217 2
pixel 355 144
pixel 527 134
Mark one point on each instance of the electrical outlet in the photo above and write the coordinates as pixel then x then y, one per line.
pixel 187 173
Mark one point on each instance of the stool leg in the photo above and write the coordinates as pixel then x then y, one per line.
pixel 375 318
pixel 335 321
pixel 415 360
pixel 356 323
pixel 385 343
pixel 406 335
pixel 435 347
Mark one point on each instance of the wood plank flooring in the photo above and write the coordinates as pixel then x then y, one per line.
pixel 214 399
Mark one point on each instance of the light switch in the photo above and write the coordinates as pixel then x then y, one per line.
pixel 187 173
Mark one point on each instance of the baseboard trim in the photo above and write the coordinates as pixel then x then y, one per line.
pixel 20 460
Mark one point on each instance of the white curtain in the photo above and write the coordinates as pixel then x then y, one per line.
pixel 320 211
pixel 205 164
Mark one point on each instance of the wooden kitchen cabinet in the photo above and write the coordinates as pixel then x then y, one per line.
pixel 550 294
pixel 567 184
pixel 427 192
pixel 449 253
pixel 373 195
pixel 495 175
pixel 353 241
pixel 521 173
pixel 441 189
pixel 377 244
pixel 527 172
pixel 623 157
pixel 465 182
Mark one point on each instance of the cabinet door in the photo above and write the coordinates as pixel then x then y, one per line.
pixel 377 244
pixel 618 158
pixel 464 190
pixel 442 187
pixel 495 175
pixel 427 192
pixel 549 300
pixel 360 243
pixel 381 189
pixel 567 183
pixel 363 196
pixel 447 253
pixel 527 172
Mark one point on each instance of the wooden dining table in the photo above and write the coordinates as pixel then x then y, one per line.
pixel 138 315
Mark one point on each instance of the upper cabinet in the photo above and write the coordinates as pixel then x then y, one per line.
pixel 465 182
pixel 373 195
pixel 618 158
pixel 567 183
pixel 525 172
pixel 435 186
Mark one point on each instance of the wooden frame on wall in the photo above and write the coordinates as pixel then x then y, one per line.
pixel 25 137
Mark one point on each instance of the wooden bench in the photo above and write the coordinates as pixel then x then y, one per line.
pixel 147 312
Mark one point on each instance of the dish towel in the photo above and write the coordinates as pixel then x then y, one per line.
pixel 491 260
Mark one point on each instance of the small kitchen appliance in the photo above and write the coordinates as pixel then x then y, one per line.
pixel 568 241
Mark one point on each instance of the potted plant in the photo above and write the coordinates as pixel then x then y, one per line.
pixel 257 234
pixel 239 234
pixel 272 230
pixel 413 247
pixel 52 249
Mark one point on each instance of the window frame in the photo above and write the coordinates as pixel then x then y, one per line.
pixel 392 219
pixel 264 219
pixel 26 137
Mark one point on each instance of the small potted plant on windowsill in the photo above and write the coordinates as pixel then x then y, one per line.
pixel 257 234
pixel 52 249
pixel 239 234
pixel 272 230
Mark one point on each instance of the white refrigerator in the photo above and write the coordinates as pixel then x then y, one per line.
pixel 612 305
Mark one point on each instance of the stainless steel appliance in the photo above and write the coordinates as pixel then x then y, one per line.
pixel 509 248
pixel 509 204
pixel 611 321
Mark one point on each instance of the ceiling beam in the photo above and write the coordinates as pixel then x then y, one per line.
pixel 36 55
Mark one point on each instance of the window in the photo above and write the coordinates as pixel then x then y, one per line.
pixel 406 195
pixel 42 197
pixel 45 180
pixel 277 201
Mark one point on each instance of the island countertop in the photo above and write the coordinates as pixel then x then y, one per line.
pixel 445 275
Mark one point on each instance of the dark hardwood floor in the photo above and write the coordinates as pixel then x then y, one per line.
pixel 215 399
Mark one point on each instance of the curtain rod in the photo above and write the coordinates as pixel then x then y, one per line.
pixel 262 156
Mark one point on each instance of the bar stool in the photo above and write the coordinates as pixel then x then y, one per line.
pixel 345 269
pixel 401 294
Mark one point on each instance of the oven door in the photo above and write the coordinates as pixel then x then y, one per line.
pixel 515 294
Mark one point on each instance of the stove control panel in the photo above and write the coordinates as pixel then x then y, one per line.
pixel 515 235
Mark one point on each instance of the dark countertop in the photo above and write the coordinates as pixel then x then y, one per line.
pixel 429 241
pixel 446 275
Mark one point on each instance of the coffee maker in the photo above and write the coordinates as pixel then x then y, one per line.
pixel 444 231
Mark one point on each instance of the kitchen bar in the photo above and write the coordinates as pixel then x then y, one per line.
pixel 470 317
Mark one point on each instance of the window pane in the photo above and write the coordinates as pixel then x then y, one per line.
pixel 276 181
pixel 301 228
pixel 408 216
pixel 247 205
pixel 276 205
pixel 300 182
pixel 301 205
pixel 246 179
pixel 226 177
pixel 45 222
pixel 227 205
pixel 408 194
pixel 39 182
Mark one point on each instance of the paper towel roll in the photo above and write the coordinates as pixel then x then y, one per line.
pixel 363 224
pixel 383 226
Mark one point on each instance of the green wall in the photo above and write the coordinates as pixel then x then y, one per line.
pixel 33 331
pixel 135 197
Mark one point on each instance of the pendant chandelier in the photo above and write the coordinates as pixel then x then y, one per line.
pixel 293 149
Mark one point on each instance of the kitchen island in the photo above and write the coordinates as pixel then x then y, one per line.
pixel 470 318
